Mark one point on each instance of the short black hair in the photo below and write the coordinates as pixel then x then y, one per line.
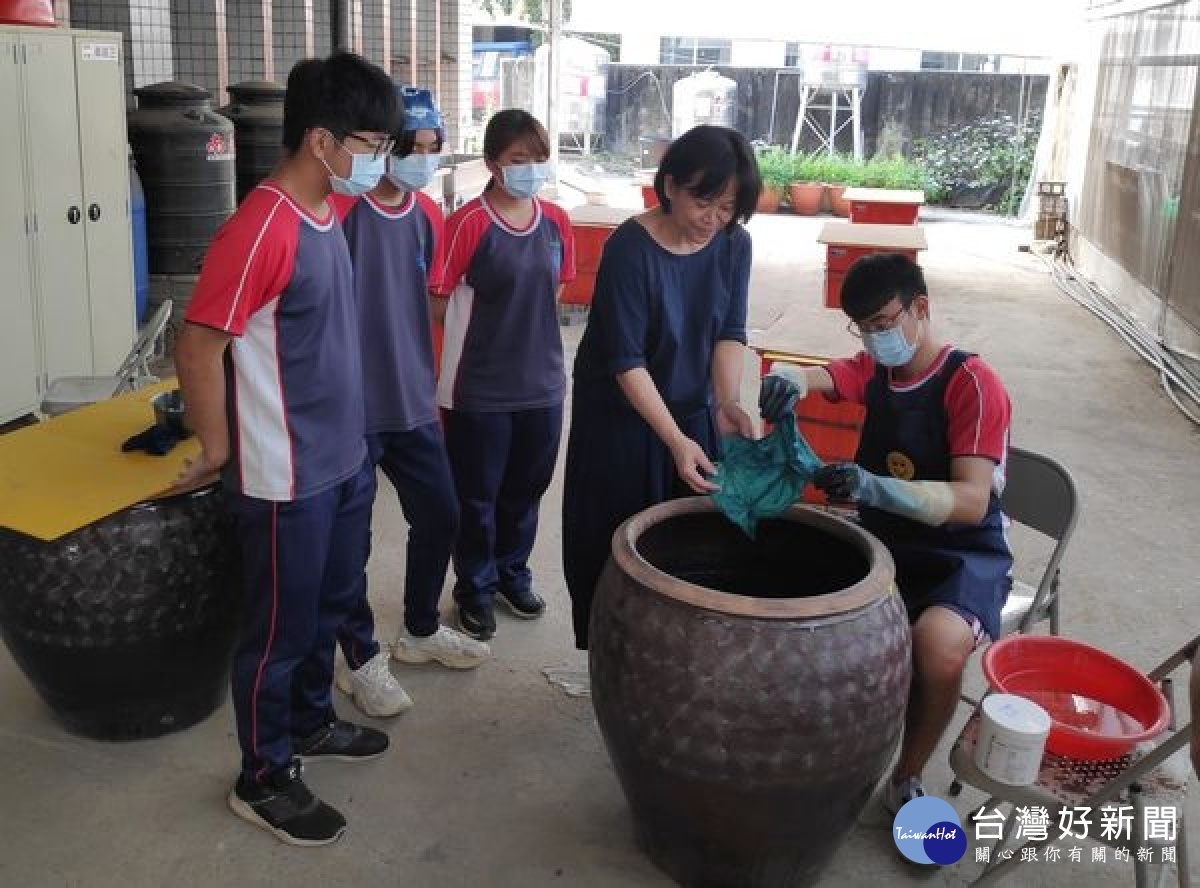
pixel 406 140
pixel 704 160
pixel 873 281
pixel 512 125
pixel 343 94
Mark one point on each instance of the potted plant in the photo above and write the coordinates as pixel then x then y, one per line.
pixel 843 172
pixel 806 190
pixel 775 170
pixel 893 172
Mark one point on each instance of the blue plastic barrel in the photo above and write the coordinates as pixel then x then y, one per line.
pixel 141 260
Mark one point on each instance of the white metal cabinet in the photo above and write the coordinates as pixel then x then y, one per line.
pixel 104 161
pixel 18 343
pixel 70 178
pixel 59 251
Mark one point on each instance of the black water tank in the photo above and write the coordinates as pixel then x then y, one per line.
pixel 256 109
pixel 185 157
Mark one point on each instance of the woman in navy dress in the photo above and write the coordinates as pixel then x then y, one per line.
pixel 658 372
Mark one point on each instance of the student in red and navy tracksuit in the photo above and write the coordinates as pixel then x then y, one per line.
pixel 502 381
pixel 269 366
pixel 927 479
pixel 394 235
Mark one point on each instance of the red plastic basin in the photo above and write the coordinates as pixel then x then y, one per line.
pixel 1100 707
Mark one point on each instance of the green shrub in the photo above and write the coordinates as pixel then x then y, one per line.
pixel 980 155
pixel 807 167
pixel 894 172
pixel 843 169
pixel 775 168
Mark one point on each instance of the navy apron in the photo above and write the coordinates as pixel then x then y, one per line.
pixel 966 567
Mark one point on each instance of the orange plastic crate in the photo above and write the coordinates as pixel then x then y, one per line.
pixel 838 260
pixel 580 290
pixel 883 212
pixel 589 247
pixel 833 288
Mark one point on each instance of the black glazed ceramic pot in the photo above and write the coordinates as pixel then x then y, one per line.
pixel 126 627
pixel 750 693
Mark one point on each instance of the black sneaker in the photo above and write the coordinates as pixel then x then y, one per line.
pixel 283 806
pixel 524 603
pixel 477 620
pixel 341 741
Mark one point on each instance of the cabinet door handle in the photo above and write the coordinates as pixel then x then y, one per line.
pixel 73 215
pixel 94 212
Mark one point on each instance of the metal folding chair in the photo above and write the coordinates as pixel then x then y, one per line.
pixel 70 392
pixel 1040 493
pixel 1138 780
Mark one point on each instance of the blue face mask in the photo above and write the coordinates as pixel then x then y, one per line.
pixel 526 179
pixel 412 173
pixel 365 173
pixel 890 347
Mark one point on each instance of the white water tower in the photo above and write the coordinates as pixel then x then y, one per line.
pixel 704 97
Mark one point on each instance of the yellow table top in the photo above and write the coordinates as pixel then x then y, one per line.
pixel 884 195
pixel 65 473
pixel 857 234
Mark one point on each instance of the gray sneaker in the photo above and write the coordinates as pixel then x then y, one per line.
pixel 896 795
pixel 446 646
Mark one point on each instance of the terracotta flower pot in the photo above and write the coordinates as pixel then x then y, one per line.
pixel 806 197
pixel 838 205
pixel 769 200
pixel 750 693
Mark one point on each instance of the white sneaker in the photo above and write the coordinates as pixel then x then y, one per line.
pixel 446 646
pixel 373 688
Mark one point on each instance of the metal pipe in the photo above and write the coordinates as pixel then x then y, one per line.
pixel 437 50
pixel 553 125
pixel 385 35
pixel 337 31
pixel 412 42
pixel 310 35
pixel 774 100
pixel 268 38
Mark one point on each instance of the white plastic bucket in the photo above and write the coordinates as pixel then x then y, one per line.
pixel 1012 738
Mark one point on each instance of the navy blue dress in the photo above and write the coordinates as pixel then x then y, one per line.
pixel 654 309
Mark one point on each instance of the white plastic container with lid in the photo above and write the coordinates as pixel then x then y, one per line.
pixel 1012 738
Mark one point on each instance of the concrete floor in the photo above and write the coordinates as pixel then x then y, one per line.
pixel 498 778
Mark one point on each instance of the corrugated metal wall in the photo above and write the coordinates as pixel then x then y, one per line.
pixel 1183 285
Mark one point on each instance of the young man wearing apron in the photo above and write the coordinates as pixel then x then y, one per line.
pixel 927 480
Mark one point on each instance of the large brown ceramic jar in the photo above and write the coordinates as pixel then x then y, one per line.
pixel 126 626
pixel 750 693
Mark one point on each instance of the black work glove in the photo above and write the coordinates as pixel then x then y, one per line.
pixel 158 440
pixel 777 397
pixel 844 482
